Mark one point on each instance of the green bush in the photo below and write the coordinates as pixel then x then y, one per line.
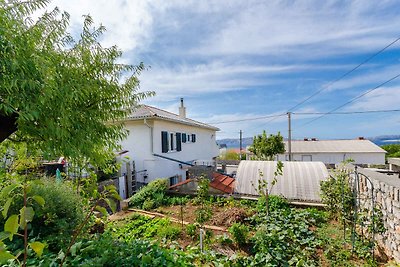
pixel 239 233
pixel 62 212
pixel 150 196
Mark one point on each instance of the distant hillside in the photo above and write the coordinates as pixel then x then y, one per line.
pixel 235 143
pixel 385 139
pixel 378 140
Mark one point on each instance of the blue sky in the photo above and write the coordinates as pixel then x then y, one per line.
pixel 233 60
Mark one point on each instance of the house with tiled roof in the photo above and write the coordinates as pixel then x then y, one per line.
pixel 162 144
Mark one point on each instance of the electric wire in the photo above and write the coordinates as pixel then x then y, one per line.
pixel 339 78
pixel 248 119
pixel 351 101
pixel 308 113
pixel 348 112
pixel 344 75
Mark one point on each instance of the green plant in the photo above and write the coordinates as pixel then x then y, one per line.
pixel 393 150
pixel 337 195
pixel 170 232
pixel 239 233
pixel 263 187
pixel 57 220
pixel 203 212
pixel 224 240
pixel 266 147
pixel 19 221
pixel 191 230
pixel 108 195
pixel 44 70
pixel 173 201
pixel 283 239
pixel 150 196
pixel 275 203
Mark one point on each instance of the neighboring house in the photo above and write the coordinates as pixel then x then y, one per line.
pixel 362 151
pixel 163 144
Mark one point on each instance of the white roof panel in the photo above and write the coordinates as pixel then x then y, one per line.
pixel 299 181
pixel 335 146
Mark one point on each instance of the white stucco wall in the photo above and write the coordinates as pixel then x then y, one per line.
pixel 334 158
pixel 139 145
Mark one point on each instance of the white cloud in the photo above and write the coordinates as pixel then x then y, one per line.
pixel 191 80
pixel 303 29
pixel 287 48
pixel 368 78
pixel 128 23
pixel 379 99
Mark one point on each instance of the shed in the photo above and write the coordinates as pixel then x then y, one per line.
pixel 300 181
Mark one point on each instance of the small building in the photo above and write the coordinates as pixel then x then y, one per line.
pixel 394 164
pixel 163 144
pixel 331 152
pixel 300 181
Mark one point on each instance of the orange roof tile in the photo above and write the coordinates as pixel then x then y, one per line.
pixel 223 183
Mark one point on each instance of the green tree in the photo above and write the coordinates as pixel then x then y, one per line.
pixel 64 96
pixel 266 147
pixel 231 155
pixel 393 150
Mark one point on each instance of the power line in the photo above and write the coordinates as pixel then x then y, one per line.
pixel 347 112
pixel 351 101
pixel 344 75
pixel 248 119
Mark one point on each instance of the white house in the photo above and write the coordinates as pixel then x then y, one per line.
pixel 163 144
pixel 362 151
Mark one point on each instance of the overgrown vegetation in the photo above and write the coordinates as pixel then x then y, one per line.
pixel 393 150
pixel 355 238
pixel 150 196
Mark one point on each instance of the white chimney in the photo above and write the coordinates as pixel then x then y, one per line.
pixel 182 110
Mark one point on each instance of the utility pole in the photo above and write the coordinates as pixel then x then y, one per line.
pixel 240 145
pixel 289 136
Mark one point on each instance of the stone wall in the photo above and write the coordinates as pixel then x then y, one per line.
pixel 386 192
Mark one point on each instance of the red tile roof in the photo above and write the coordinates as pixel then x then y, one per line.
pixel 179 184
pixel 220 182
pixel 223 183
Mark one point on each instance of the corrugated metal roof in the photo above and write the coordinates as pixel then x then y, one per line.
pixel 335 146
pixel 300 180
pixel 145 111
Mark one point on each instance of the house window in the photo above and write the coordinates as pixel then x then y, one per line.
pixel 188 137
pixel 171 141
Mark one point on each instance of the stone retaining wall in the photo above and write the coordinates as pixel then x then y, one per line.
pixel 386 191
